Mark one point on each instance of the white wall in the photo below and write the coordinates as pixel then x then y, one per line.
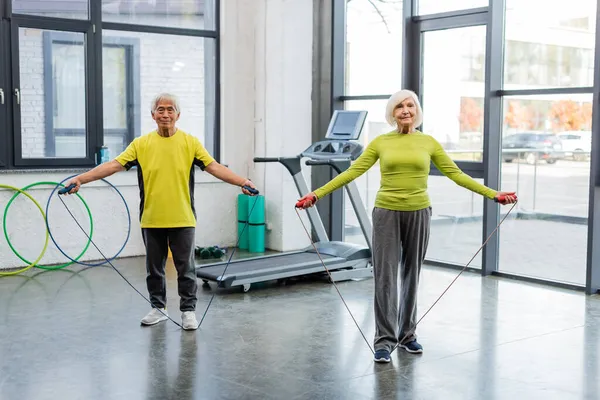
pixel 266 94
pixel 267 102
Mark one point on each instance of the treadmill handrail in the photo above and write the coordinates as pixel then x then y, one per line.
pixel 266 159
pixel 339 165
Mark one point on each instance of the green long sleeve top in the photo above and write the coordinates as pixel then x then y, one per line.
pixel 405 164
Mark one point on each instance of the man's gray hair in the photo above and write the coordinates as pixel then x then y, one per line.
pixel 398 98
pixel 171 98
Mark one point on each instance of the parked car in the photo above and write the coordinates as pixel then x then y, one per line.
pixel 576 144
pixel 532 147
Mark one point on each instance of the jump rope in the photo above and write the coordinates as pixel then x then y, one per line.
pixel 72 186
pixel 299 205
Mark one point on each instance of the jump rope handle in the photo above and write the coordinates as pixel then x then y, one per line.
pixel 251 190
pixel 500 199
pixel 300 203
pixel 67 189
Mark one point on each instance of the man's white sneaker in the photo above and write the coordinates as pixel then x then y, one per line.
pixel 154 317
pixel 188 318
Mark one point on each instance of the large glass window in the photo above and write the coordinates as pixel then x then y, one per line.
pixel 546 143
pixel 75 9
pixel 373 47
pixel 453 95
pixel 192 14
pixel 438 6
pixel 134 80
pixel 52 94
pixel 554 49
pixel 59 82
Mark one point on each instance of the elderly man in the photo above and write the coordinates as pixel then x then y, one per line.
pixel 165 160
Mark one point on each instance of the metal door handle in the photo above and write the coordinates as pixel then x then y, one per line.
pixel 18 94
pixel 1 96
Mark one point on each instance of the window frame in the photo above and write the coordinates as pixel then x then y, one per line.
pixel 11 157
pixel 132 82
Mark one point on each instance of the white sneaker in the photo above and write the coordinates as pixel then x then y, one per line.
pixel 154 317
pixel 189 320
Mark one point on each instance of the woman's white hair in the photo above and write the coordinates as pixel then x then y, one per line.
pixel 398 98
pixel 171 98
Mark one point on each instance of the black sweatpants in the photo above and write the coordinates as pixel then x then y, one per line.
pixel 181 242
pixel 400 240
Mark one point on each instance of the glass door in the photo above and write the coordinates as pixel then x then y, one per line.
pixel 452 94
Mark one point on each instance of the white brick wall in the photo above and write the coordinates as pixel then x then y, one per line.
pixel 167 63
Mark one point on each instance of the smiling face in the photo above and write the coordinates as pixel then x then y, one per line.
pixel 404 114
pixel 165 115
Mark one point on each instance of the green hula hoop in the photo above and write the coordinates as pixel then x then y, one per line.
pixel 47 234
pixel 46 267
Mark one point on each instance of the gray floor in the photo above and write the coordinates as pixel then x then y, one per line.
pixel 75 334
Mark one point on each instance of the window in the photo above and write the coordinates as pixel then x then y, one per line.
pixel 65 93
pixel 553 49
pixel 63 71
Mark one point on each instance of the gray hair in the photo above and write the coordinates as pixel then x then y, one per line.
pixel 171 98
pixel 398 98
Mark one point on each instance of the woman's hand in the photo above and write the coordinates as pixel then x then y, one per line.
pixel 506 198
pixel 307 201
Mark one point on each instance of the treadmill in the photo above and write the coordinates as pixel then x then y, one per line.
pixel 345 261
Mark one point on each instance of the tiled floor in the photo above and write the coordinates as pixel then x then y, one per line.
pixel 75 334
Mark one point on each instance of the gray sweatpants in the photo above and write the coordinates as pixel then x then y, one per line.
pixel 181 241
pixel 399 237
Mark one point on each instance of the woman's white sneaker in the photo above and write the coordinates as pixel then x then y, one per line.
pixel 188 318
pixel 154 317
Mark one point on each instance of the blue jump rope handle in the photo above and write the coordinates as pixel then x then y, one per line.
pixel 251 190
pixel 66 189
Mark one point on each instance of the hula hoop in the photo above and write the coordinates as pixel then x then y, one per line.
pixel 47 233
pixel 61 250
pixel 53 267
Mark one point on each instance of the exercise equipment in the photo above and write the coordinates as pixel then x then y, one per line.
pixel 52 267
pixel 256 225
pixel 210 252
pixel 242 209
pixel 39 207
pixel 65 190
pixel 345 260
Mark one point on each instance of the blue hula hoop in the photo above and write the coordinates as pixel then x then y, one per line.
pixel 61 250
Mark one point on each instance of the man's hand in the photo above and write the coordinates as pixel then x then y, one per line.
pixel 506 198
pixel 74 181
pixel 248 183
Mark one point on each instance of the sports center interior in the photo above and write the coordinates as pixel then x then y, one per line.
pixel 508 303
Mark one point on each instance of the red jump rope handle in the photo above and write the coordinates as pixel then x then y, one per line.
pixel 300 203
pixel 501 198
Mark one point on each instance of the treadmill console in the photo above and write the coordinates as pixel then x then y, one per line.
pixel 341 139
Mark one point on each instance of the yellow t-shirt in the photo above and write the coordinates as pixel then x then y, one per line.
pixel 166 177
pixel 404 161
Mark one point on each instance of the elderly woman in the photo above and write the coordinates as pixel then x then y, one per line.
pixel 401 216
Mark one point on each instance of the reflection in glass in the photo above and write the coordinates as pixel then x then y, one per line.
pixel 453 96
pixel 53 94
pixel 437 6
pixel 373 47
pixel 546 143
pixel 191 14
pixel 554 49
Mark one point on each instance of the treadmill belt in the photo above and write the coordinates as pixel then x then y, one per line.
pixel 277 262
